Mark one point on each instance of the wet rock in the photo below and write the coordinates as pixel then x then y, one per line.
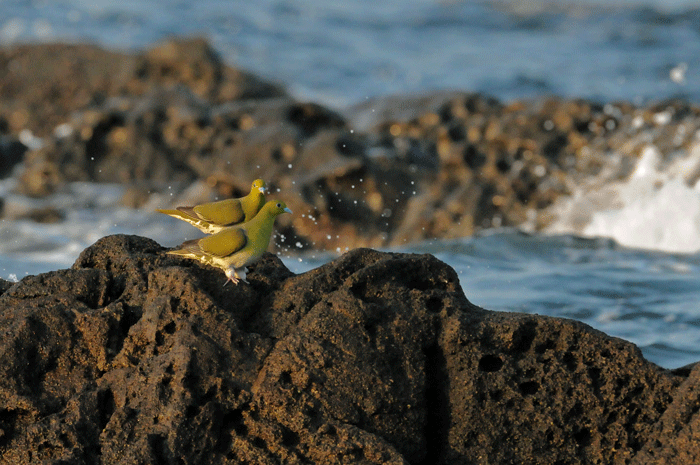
pixel 134 356
pixel 196 65
pixel 42 84
pixel 386 173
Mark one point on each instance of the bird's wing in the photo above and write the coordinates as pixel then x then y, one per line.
pixel 224 243
pixel 225 212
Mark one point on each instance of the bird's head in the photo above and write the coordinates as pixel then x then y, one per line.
pixel 260 185
pixel 276 207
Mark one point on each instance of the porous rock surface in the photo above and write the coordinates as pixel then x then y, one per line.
pixel 136 357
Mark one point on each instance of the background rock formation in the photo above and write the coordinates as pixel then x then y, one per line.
pixel 175 119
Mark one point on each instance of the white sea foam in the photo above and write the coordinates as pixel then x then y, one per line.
pixel 657 207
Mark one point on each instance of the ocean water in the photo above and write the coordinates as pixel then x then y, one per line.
pixel 341 53
pixel 631 269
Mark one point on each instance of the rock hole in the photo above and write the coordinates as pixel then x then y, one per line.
pixel 434 304
pixel 8 424
pixel 311 412
pixel 259 442
pixel 370 328
pixel 329 430
pixel 695 409
pixel 523 336
pixel 421 283
pixel 550 436
pixel 241 430
pixel 542 348
pixel 231 420
pixel 170 327
pixel 191 411
pixel 289 438
pixel 437 421
pixel 529 388
pixel 158 448
pixel 594 375
pixel 569 361
pixel 359 289
pixel 490 363
pixel 106 406
pixel 576 410
pixel 285 378
pixel 210 394
pixel 583 437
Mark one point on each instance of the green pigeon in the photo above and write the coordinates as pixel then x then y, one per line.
pixel 235 247
pixel 213 217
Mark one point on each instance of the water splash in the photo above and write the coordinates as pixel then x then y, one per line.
pixel 657 207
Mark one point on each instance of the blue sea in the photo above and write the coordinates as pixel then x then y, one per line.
pixel 632 269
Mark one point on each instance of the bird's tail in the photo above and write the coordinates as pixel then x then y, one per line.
pixel 179 214
pixel 187 214
pixel 187 249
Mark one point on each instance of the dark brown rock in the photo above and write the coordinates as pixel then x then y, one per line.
pixel 674 438
pixel 134 356
pixel 42 84
pixel 389 172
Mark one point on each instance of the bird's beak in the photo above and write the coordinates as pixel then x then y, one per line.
pixel 262 189
pixel 287 210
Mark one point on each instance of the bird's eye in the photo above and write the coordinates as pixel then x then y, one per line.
pixel 279 205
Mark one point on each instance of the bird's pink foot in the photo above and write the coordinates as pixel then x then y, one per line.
pixel 232 276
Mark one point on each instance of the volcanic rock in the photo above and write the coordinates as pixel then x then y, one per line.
pixel 135 356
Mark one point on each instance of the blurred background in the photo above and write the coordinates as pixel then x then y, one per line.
pixel 341 53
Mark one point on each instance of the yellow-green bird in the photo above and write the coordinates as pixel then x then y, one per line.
pixel 235 247
pixel 212 217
